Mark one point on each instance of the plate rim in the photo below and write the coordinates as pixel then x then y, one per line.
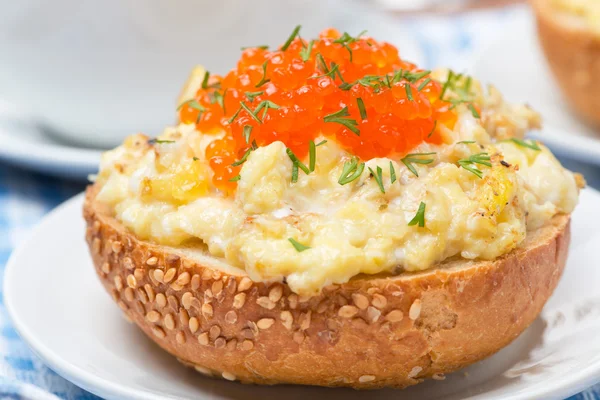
pixel 561 389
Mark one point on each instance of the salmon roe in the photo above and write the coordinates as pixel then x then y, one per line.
pixel 355 90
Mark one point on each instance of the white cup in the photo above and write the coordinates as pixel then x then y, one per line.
pixel 96 71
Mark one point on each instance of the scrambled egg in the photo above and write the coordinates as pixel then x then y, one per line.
pixel 160 192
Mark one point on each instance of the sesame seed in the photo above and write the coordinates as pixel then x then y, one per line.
pixel 193 324
pixel 152 261
pixel 116 247
pixel 305 320
pixel 129 294
pixel 220 343
pixel 214 332
pixel 180 337
pixel 96 245
pixel 203 339
pixel 438 377
pixel 360 300
pixel 366 378
pixel 347 311
pixel 123 306
pixel 203 370
pixel 247 333
pixel 231 285
pixel 245 284
pixel 231 317
pixel 184 317
pixel 208 294
pixel 158 332
pixel 175 286
pixel 195 282
pixel 169 275
pixel 206 274
pixel 153 316
pixel 253 327
pixel 265 323
pixel 128 263
pixel 142 295
pixel 169 322
pixel 395 316
pixel 149 292
pixel 415 310
pixel 106 268
pixel 229 376
pixel 414 372
pixel 139 307
pixel 216 287
pixel 216 275
pixel 196 304
pixel 183 278
pixel 139 274
pixel 186 300
pixel 379 301
pixel 207 310
pixel 160 300
pixel 118 282
pixel 287 319
pixel 173 303
pixel 239 300
pixel 247 345
pixel 159 275
pixel 265 302
pixel 275 294
pixel 322 307
pixel 293 300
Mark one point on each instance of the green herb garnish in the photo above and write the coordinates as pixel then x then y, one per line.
pixel 243 159
pixel 339 118
pixel 392 172
pixel 409 95
pixel 251 95
pixel 419 218
pixel 249 111
pixel 291 38
pixel 361 108
pixel 298 246
pixel 264 79
pixel 378 177
pixel 266 104
pixel 352 170
pixel 530 145
pixel 423 84
pixel 416 158
pixel 470 164
pixel 235 178
pixel 261 47
pixel 305 52
pixel 247 132
pixel 312 153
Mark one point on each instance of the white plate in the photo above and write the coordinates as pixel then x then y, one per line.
pixel 516 65
pixel 59 307
pixel 24 144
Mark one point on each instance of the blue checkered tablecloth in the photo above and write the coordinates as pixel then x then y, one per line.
pixel 26 197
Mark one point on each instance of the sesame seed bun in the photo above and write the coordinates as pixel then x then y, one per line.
pixel 374 331
pixel 572 49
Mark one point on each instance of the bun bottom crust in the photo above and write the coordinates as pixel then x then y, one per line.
pixel 372 332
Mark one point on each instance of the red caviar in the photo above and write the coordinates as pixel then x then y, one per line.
pixel 306 89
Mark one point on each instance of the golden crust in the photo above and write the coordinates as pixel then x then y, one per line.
pixel 368 333
pixel 573 53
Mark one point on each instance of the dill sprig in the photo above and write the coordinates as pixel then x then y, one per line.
pixel 416 158
pixel 298 246
pixel 470 164
pixel 378 175
pixel 351 171
pixel 419 218
pixel 339 117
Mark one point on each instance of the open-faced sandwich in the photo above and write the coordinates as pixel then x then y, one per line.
pixel 569 32
pixel 327 213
